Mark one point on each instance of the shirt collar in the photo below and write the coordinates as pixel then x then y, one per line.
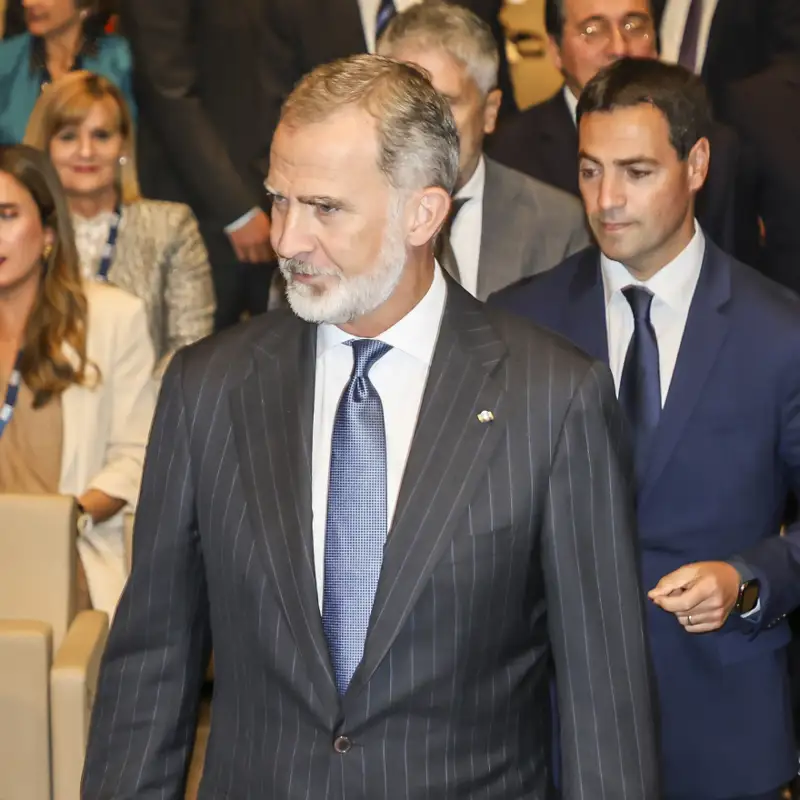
pixel 415 334
pixel 474 186
pixel 572 103
pixel 673 284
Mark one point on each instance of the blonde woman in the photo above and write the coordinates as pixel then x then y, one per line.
pixel 76 365
pixel 150 248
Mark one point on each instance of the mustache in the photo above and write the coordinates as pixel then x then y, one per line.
pixel 294 266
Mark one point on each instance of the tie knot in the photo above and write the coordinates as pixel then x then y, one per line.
pixel 365 353
pixel 640 300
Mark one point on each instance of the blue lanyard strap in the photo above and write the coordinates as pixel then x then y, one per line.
pixel 12 392
pixel 110 246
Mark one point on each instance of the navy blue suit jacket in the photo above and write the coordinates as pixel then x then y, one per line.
pixel 725 455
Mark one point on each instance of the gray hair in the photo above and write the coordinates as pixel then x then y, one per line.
pixel 453 29
pixel 417 136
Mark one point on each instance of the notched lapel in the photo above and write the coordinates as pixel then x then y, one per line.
pixel 449 454
pixel 706 328
pixel 584 322
pixel 272 414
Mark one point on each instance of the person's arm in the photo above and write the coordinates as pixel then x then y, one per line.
pixel 189 295
pixel 595 605
pixel 133 391
pixel 145 710
pixel 708 590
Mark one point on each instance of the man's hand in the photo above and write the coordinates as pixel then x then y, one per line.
pixel 251 241
pixel 700 595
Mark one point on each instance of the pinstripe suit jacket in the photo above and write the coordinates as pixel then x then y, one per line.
pixel 512 543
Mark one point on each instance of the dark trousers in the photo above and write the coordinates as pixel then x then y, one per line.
pixel 240 289
pixel 774 795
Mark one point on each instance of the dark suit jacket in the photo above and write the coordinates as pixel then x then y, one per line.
pixel 210 78
pixel 766 111
pixel 208 103
pixel 745 37
pixel 528 227
pixel 512 543
pixel 313 32
pixel 725 454
pixel 542 142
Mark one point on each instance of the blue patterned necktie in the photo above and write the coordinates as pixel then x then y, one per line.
pixel 640 386
pixel 356 524
pixel 386 11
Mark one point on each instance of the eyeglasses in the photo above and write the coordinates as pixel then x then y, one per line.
pixel 598 33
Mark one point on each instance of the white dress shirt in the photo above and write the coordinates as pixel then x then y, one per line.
pixel 369 15
pixel 465 235
pixel 399 378
pixel 673 289
pixel 572 103
pixel 673 23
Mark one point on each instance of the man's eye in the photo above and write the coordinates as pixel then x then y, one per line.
pixel 325 209
pixel 638 174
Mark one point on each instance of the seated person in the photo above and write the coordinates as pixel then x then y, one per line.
pixel 62 35
pixel 150 248
pixel 76 371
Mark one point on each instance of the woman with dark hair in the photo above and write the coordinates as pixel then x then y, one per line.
pixel 62 36
pixel 76 367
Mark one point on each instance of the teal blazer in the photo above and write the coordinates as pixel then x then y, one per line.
pixel 20 82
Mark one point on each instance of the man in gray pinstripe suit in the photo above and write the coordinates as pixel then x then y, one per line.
pixel 392 511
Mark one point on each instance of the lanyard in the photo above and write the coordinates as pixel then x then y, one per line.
pixel 12 392
pixel 110 246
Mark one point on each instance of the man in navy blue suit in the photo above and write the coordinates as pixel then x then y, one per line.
pixel 705 354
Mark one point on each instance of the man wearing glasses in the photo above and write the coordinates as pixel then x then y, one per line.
pixel 583 37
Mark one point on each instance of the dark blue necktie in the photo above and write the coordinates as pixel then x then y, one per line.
pixel 640 386
pixel 687 56
pixel 386 11
pixel 356 524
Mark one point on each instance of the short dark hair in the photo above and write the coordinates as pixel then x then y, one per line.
pixel 677 93
pixel 554 18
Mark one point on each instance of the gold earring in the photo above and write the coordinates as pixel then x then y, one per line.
pixel 47 252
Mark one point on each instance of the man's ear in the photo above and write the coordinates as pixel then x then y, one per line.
pixel 697 164
pixel 491 109
pixel 428 211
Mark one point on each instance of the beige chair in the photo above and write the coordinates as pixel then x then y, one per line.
pixel 49 656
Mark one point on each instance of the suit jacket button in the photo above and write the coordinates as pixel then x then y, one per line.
pixel 342 745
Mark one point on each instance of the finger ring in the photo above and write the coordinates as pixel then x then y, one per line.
pixel 689 620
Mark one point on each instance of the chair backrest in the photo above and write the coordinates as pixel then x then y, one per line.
pixel 38 560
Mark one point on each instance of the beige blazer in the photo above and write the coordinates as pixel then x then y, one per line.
pixel 106 429
pixel 160 257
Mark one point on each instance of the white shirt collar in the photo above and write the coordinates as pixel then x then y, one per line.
pixel 673 284
pixel 474 186
pixel 572 103
pixel 415 334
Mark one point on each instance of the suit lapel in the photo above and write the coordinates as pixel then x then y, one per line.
pixel 76 402
pixel 449 454
pixel 559 144
pixel 584 320
pixel 706 328
pixel 499 262
pixel 272 415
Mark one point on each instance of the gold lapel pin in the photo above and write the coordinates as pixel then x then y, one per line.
pixel 485 416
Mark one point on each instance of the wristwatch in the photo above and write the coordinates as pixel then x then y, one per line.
pixel 85 521
pixel 748 597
